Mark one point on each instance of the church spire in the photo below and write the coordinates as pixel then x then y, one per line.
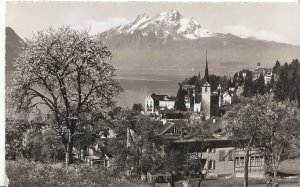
pixel 206 77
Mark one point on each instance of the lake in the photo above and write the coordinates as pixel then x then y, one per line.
pixel 136 90
pixel 138 87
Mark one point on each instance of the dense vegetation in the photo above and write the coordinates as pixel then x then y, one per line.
pixel 284 84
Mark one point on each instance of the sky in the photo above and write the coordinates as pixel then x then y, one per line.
pixel 278 22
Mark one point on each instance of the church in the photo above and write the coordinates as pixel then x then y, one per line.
pixel 197 99
pixel 204 101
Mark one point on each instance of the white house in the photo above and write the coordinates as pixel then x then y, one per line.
pixel 229 98
pixel 149 104
pixel 154 103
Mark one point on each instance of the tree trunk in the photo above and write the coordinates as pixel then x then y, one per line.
pixel 246 169
pixel 69 146
pixel 68 151
pixel 274 173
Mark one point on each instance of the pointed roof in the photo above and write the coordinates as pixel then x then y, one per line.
pixel 206 77
pixel 206 84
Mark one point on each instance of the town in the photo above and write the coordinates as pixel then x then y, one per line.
pixel 156 101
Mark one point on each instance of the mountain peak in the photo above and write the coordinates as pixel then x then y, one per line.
pixel 165 25
pixel 172 15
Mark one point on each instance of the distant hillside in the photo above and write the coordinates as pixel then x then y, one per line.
pixel 13 47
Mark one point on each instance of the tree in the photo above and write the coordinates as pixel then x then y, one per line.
pixel 260 123
pixel 259 85
pixel 287 81
pixel 280 129
pixel 248 86
pixel 137 108
pixel 147 142
pixel 14 136
pixel 179 101
pixel 200 130
pixel 143 151
pixel 244 125
pixel 68 72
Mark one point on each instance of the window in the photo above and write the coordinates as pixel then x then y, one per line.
pixel 211 150
pixel 230 155
pixel 211 164
pixel 176 130
pixel 221 155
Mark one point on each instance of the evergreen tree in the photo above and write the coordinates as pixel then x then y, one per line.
pixel 277 67
pixel 259 85
pixel 248 87
pixel 179 101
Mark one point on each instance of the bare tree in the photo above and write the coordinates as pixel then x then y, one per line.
pixel 70 73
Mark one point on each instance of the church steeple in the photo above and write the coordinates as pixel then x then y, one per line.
pixel 206 77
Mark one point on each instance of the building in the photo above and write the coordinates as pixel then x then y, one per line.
pixel 154 103
pixel 218 155
pixel 262 71
pixel 229 97
pixel 220 158
pixel 206 100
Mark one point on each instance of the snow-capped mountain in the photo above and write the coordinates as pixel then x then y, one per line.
pixel 166 25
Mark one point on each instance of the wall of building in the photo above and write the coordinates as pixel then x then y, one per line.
pixel 228 161
pixel 197 107
pixel 206 101
pixel 168 104
pixel 224 165
pixel 149 105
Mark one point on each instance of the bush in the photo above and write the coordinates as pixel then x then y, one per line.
pixel 24 173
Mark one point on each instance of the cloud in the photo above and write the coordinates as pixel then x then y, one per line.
pixel 100 26
pixel 243 31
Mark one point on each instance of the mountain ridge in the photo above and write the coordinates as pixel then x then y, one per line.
pixel 227 53
pixel 158 55
pixel 164 26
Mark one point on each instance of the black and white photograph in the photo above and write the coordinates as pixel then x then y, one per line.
pixel 151 93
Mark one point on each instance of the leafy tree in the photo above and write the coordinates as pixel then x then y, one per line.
pixel 200 129
pixel 15 134
pixel 260 123
pixel 179 101
pixel 137 108
pixel 244 125
pixel 70 73
pixel 143 151
pixel 280 130
pixel 147 142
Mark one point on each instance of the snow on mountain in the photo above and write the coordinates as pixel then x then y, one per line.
pixel 165 25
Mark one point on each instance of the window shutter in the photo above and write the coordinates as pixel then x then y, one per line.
pixel 230 155
pixel 221 155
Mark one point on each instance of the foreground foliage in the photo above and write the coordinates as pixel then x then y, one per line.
pixel 23 173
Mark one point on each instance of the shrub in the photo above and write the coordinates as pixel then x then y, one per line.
pixel 24 173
